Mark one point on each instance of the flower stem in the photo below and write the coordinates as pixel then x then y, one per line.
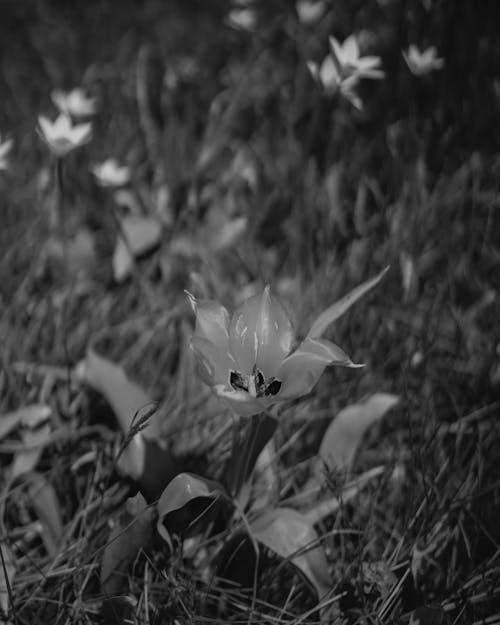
pixel 60 223
pixel 248 442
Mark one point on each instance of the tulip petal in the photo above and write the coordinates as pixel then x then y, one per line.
pixel 212 321
pixel 45 126
pixel 81 134
pixel 350 50
pixel 62 126
pixel 300 371
pixel 329 75
pixel 241 402
pixel 214 364
pixel 260 334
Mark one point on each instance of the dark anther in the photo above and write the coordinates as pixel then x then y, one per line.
pixel 237 381
pixel 259 381
pixel 273 387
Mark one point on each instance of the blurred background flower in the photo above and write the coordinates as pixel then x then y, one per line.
pixel 422 62
pixel 75 103
pixel 61 135
pixel 110 173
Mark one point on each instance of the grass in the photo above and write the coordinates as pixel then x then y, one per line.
pixel 410 182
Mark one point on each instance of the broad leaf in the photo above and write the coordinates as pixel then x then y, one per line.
pixel 290 535
pixel 46 505
pixel 336 310
pixel 342 438
pixel 28 415
pixel 139 235
pixel 142 457
pixel 131 534
pixel 35 435
pixel 186 500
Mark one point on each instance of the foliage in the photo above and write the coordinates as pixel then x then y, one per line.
pixel 222 147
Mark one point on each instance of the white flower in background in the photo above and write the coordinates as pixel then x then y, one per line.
pixel 422 62
pixel 349 63
pixel 343 68
pixel 62 136
pixel 5 148
pixel 328 77
pixel 242 19
pixel 111 174
pixel 310 11
pixel 75 102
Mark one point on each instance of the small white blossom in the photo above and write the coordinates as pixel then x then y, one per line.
pixel 75 102
pixel 5 148
pixel 349 63
pixel 242 19
pixel 331 82
pixel 111 174
pixel 310 11
pixel 422 62
pixel 62 136
pixel 343 68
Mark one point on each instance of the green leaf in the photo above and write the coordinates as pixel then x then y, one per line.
pixel 32 415
pixel 289 534
pixel 131 533
pixel 47 508
pixel 336 310
pixel 143 457
pixel 342 438
pixel 187 500
pixel 142 234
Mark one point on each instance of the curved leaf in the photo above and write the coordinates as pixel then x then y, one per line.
pixel 142 234
pixel 32 415
pixel 336 310
pixel 131 533
pixel 46 504
pixel 125 396
pixel 290 535
pixel 342 438
pixel 142 457
pixel 187 499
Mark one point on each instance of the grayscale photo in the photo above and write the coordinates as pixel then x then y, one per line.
pixel 249 312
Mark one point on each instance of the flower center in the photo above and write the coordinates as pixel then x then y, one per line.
pixel 254 384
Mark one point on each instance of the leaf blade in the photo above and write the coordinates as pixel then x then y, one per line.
pixel 341 439
pixel 287 533
pixel 340 307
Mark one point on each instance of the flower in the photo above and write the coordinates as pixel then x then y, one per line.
pixel 248 360
pixel 111 174
pixel 310 11
pixel 330 80
pixel 343 68
pixel 75 102
pixel 242 19
pixel 349 62
pixel 62 136
pixel 422 62
pixel 5 148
